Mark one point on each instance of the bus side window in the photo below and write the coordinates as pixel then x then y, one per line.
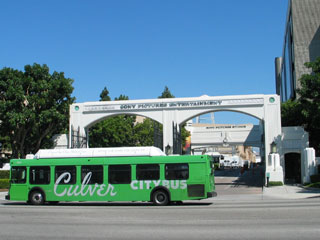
pixel 68 179
pixel 148 171
pixel 119 174
pixel 177 171
pixel 40 175
pixel 96 172
pixel 18 174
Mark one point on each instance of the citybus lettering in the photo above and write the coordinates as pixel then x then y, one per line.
pixel 147 184
pixel 101 189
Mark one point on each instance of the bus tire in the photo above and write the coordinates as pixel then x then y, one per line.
pixel 36 197
pixel 160 198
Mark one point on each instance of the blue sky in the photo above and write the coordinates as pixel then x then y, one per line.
pixel 137 47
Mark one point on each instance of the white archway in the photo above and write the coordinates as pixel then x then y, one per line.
pixel 172 112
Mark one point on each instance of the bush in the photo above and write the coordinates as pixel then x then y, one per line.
pixel 4 183
pixel 313 185
pixel 315 178
pixel 4 174
pixel 273 184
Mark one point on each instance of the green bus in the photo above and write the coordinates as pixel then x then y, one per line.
pixel 110 174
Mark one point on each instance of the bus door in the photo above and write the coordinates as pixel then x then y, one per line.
pixel 18 183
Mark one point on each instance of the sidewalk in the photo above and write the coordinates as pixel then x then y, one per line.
pixel 269 193
pixel 3 194
pixel 290 192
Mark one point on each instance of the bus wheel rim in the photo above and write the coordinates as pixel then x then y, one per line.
pixel 37 198
pixel 160 197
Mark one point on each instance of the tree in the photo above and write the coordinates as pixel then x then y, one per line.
pixel 144 133
pixel 310 102
pixel 291 114
pixel 166 93
pixel 34 105
pixel 104 95
pixel 121 97
pixel 305 111
pixel 115 131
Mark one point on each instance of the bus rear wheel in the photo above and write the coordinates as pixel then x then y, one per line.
pixel 36 198
pixel 160 198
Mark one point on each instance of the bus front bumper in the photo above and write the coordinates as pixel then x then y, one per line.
pixel 7 197
pixel 211 194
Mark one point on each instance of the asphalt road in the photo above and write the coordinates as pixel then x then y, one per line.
pixel 208 219
pixel 243 220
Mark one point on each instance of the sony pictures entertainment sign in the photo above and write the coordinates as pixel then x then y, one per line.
pixel 131 106
pixel 146 106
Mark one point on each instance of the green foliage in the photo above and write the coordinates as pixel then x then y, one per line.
pixel 4 183
pixel 291 114
pixel 116 131
pixel 313 185
pixel 34 105
pixel 122 97
pixel 166 93
pixel 4 174
pixel 104 96
pixel 305 111
pixel 275 183
pixel 315 178
pixel 113 132
pixel 144 133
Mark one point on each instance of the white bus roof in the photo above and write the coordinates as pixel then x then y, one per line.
pixel 97 152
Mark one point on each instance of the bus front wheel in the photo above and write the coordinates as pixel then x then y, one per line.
pixel 160 198
pixel 36 198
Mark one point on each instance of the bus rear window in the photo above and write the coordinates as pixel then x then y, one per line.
pixel 18 174
pixel 177 171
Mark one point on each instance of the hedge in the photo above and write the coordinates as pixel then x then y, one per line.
pixel 275 183
pixel 315 178
pixel 4 183
pixel 4 174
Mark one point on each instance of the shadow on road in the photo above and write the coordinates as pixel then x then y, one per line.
pixel 250 178
pixel 111 204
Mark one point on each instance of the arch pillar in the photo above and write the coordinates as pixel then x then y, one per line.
pixel 168 119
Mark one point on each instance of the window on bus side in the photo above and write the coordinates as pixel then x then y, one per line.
pixel 69 173
pixel 40 175
pixel 119 174
pixel 177 171
pixel 92 174
pixel 148 171
pixel 18 174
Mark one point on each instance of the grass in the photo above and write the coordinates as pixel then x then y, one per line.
pixel 312 185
